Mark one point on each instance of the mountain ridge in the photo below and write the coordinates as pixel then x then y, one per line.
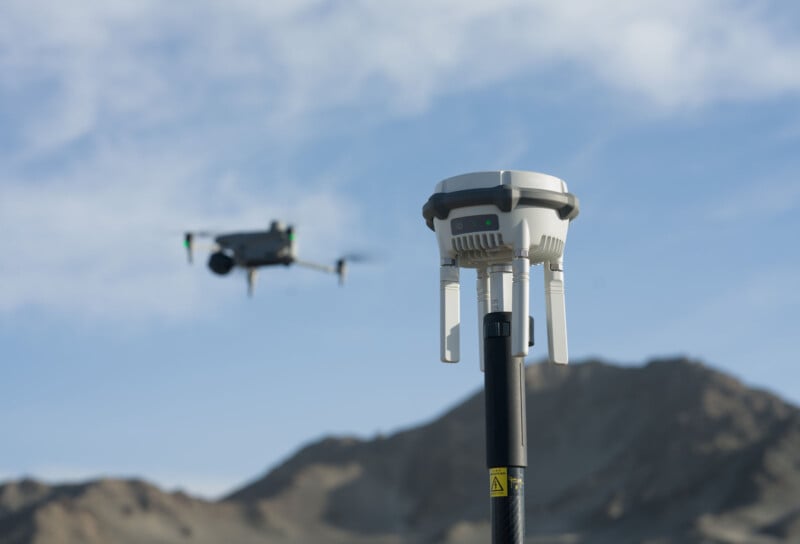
pixel 672 451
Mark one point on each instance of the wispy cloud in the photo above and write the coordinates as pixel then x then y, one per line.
pixel 94 64
pixel 124 115
pixel 765 198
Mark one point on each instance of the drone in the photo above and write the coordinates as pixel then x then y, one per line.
pixel 251 250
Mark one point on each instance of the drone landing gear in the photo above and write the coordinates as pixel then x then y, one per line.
pixel 251 281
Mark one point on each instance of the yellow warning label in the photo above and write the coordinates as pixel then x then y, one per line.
pixel 498 482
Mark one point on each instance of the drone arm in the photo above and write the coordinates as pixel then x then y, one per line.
pixel 316 266
pixel 556 312
pixel 340 268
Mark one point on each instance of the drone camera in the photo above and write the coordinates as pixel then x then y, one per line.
pixel 501 223
pixel 220 263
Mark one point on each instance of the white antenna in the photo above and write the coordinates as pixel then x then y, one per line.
pixel 501 223
pixel 450 319
pixel 556 312
pixel 484 303
pixel 520 297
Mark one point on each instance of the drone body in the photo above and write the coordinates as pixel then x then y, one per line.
pixel 251 250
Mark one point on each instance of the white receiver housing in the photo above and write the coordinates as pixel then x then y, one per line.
pixel 505 217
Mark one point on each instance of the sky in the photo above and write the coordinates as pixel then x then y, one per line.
pixel 124 123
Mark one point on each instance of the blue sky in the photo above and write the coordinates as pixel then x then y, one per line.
pixel 123 123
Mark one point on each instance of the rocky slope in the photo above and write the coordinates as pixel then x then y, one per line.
pixel 672 452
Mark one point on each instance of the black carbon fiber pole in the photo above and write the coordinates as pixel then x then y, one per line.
pixel 506 449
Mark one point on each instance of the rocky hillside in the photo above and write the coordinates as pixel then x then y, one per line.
pixel 672 452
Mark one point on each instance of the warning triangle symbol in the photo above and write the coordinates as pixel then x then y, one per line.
pixel 496 485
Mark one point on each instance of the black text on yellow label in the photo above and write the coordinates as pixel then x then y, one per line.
pixel 498 482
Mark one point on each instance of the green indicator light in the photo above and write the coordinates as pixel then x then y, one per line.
pixel 291 237
pixel 186 243
pixel 488 222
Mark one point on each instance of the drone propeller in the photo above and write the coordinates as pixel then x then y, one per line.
pixel 202 233
pixel 357 258
pixel 344 260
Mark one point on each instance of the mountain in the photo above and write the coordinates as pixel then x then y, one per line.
pixel 671 452
pixel 122 512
